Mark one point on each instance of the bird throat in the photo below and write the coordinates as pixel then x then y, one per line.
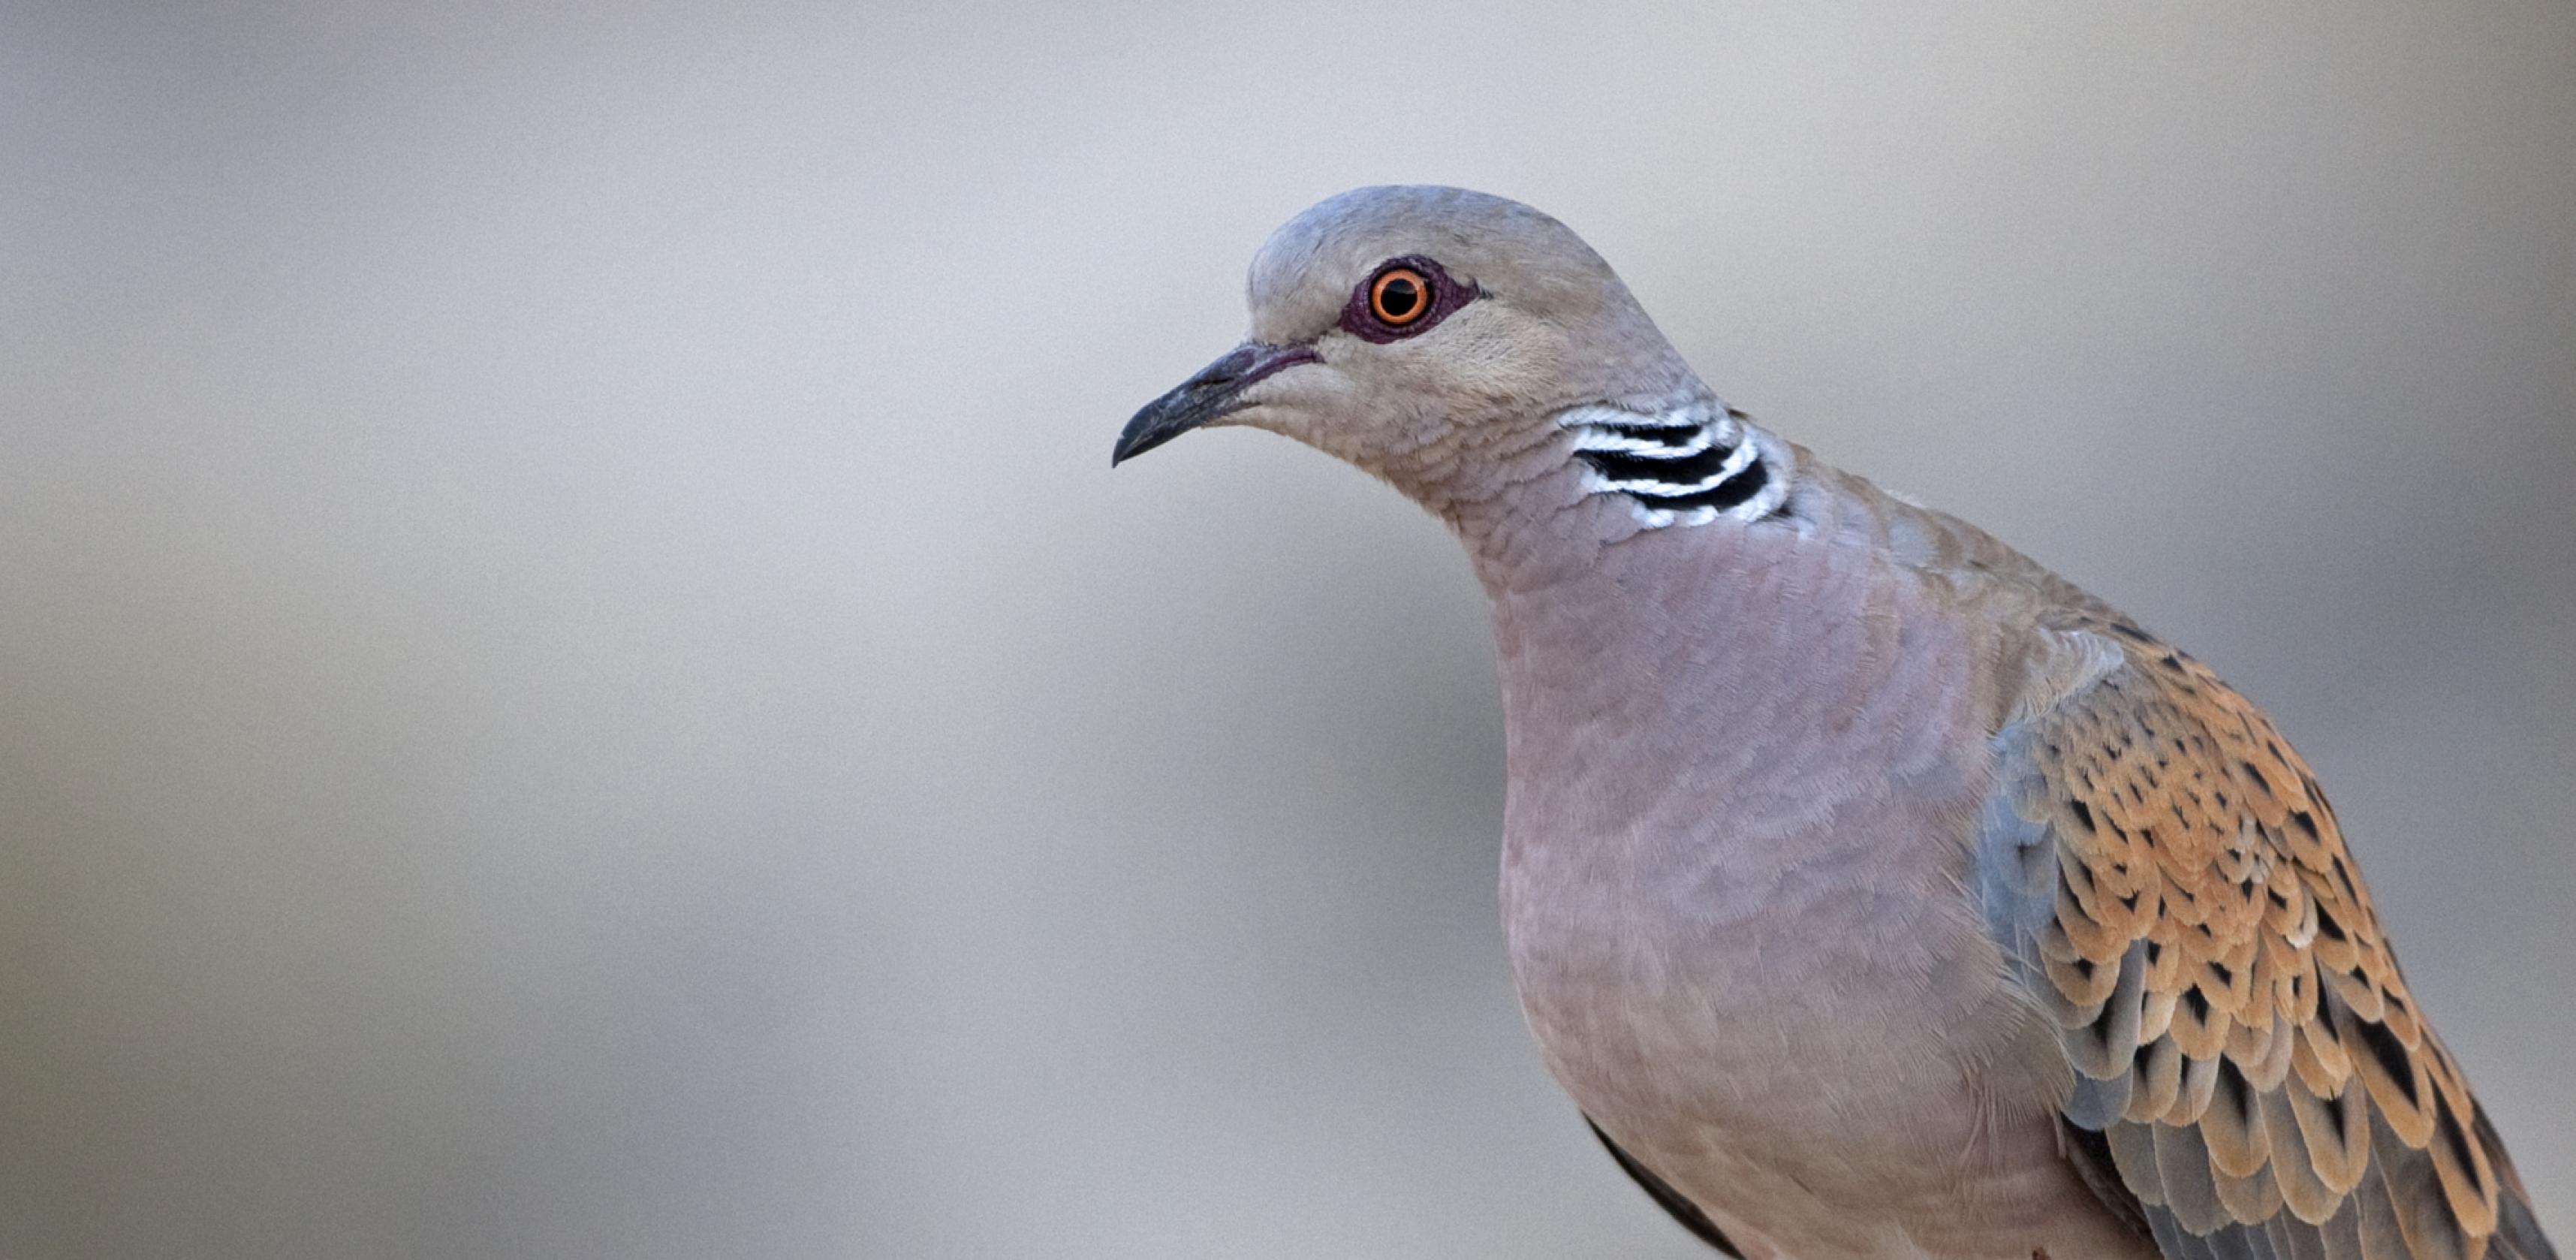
pixel 1688 466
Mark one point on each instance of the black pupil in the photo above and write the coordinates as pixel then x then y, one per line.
pixel 1399 297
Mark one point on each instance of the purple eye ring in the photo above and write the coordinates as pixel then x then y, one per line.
pixel 1404 297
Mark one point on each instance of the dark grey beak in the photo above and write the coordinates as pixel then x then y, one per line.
pixel 1217 390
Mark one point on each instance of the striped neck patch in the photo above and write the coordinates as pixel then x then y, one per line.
pixel 1688 466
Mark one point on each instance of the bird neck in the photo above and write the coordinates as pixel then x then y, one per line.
pixel 1685 466
pixel 1538 511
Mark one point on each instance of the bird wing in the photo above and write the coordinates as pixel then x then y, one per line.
pixel 2170 885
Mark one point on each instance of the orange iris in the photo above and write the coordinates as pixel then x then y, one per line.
pixel 1400 297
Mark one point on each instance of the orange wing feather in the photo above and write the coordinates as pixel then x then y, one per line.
pixel 2241 1036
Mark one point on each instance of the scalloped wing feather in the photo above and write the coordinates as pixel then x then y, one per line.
pixel 2173 890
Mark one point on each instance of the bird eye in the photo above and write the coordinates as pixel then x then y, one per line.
pixel 1399 296
pixel 1404 297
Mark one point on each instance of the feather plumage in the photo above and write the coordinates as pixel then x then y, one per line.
pixel 2236 1022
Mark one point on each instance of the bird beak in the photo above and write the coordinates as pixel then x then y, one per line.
pixel 1216 391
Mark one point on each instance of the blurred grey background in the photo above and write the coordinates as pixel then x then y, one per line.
pixel 575 682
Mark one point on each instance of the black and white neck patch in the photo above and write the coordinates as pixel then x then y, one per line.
pixel 1687 466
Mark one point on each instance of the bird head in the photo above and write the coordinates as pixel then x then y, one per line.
pixel 1427 335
